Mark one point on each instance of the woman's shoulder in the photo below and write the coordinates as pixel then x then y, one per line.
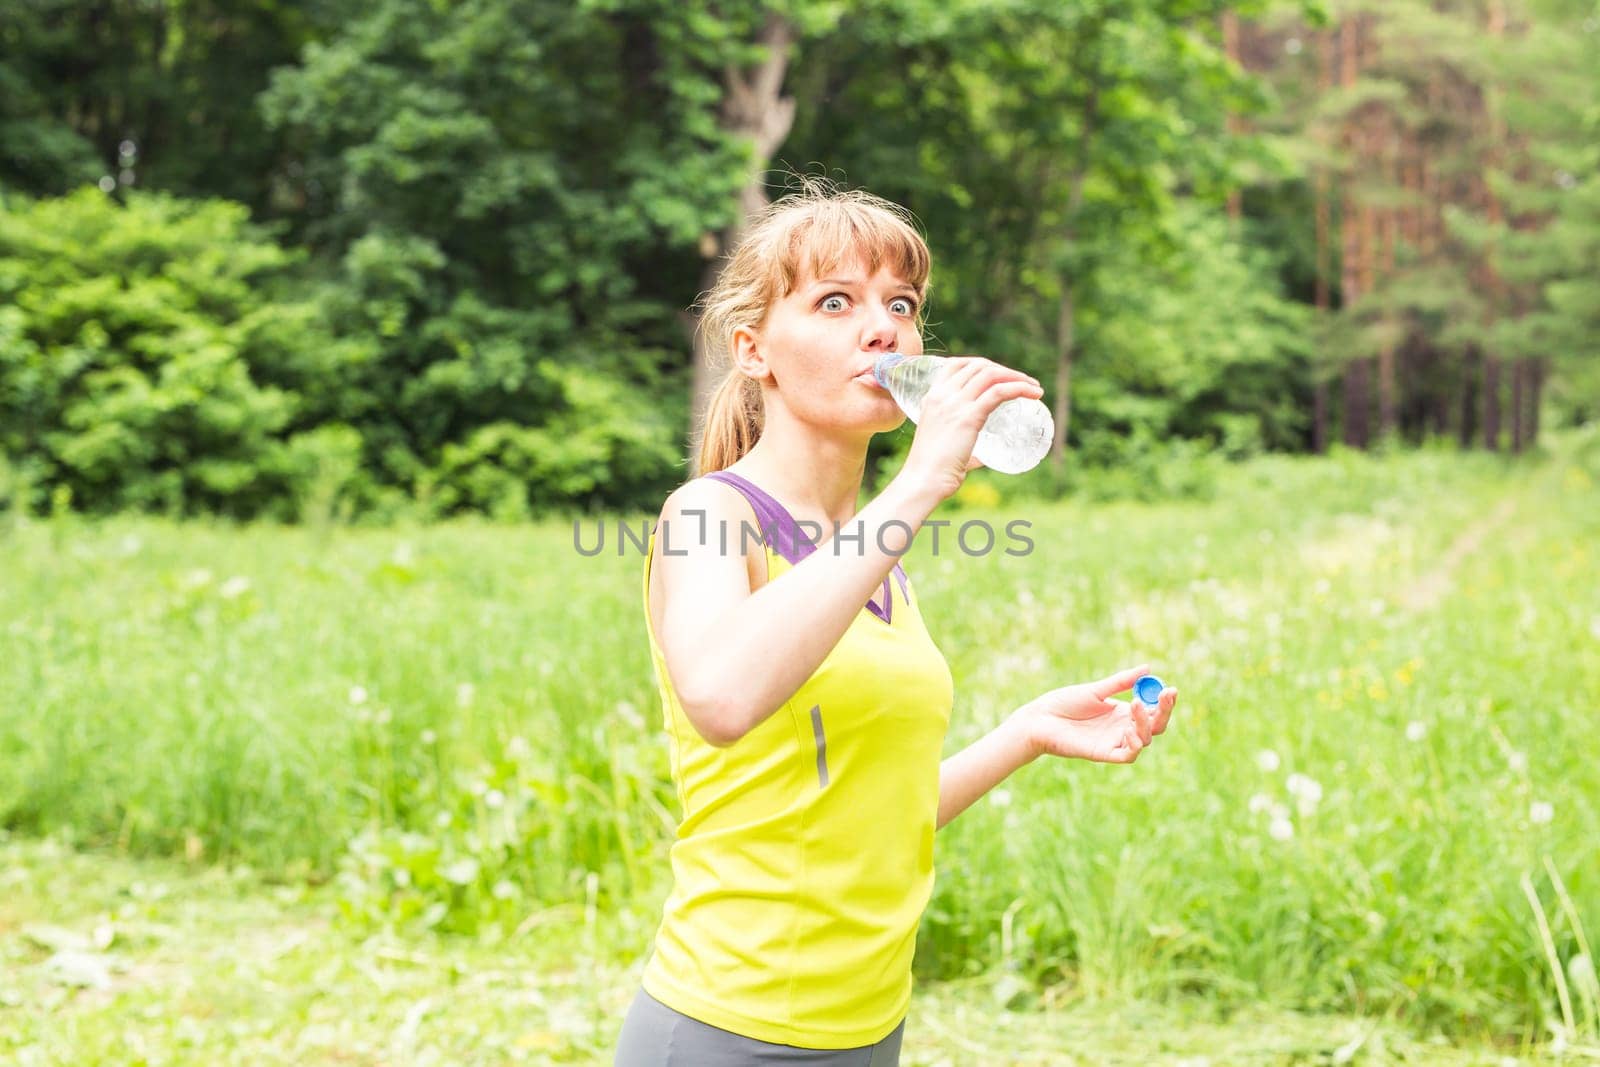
pixel 707 496
pixel 710 514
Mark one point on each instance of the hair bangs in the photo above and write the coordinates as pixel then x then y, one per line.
pixel 841 233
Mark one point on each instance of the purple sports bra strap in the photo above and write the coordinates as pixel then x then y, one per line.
pixel 776 523
pixel 788 540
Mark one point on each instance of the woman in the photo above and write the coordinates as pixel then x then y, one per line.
pixel 805 702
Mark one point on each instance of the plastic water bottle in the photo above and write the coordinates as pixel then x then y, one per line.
pixel 1017 434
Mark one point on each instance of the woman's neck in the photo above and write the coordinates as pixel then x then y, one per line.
pixel 816 475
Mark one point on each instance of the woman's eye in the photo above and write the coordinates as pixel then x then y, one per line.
pixel 833 303
pixel 901 306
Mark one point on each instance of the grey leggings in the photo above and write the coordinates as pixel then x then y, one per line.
pixel 654 1035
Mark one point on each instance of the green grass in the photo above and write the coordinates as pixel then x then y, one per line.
pixel 453 728
pixel 109 960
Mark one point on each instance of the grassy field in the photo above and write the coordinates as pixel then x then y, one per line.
pixel 349 750
pixel 109 960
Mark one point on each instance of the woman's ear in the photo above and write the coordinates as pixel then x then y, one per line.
pixel 747 355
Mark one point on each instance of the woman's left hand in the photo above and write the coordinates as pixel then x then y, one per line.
pixel 1083 721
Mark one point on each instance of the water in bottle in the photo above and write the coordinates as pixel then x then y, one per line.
pixel 1016 435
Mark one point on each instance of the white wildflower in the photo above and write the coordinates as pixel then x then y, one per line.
pixel 1267 760
pixel 494 799
pixel 1416 730
pixel 503 890
pixel 428 737
pixel 358 695
pixel 518 749
pixel 1001 798
pixel 465 693
pixel 1541 812
pixel 1281 829
pixel 1518 761
pixel 1307 792
pixel 1260 802
pixel 235 587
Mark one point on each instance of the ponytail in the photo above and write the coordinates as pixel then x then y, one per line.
pixel 734 419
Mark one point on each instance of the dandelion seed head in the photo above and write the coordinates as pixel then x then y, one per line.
pixel 1307 792
pixel 1267 760
pixel 1416 730
pixel 1541 812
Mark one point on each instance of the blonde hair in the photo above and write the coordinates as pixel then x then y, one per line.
pixel 807 234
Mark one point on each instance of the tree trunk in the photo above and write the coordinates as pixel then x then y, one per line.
pixel 1319 195
pixel 1491 402
pixel 1352 224
pixel 1066 312
pixel 1230 45
pixel 1519 372
pixel 1388 386
pixel 1064 343
pixel 1536 391
pixel 755 109
pixel 1467 427
pixel 1357 404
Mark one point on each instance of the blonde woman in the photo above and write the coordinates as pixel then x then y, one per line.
pixel 804 701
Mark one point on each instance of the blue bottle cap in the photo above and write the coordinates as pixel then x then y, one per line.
pixel 1148 690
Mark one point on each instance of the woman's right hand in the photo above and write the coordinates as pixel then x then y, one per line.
pixel 953 412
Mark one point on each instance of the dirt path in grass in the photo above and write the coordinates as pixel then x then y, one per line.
pixel 1426 592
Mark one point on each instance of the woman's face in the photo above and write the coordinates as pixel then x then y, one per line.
pixel 818 345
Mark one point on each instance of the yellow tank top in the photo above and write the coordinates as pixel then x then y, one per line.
pixel 804 858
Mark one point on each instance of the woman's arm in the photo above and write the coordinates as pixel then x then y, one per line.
pixel 736 656
pixel 1073 722
pixel 981 766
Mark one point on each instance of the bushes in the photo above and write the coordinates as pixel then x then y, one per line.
pixel 166 355
pixel 125 367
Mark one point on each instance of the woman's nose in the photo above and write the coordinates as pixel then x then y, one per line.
pixel 881 331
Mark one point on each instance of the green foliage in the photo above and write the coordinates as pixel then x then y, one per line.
pixel 125 353
pixel 488 220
